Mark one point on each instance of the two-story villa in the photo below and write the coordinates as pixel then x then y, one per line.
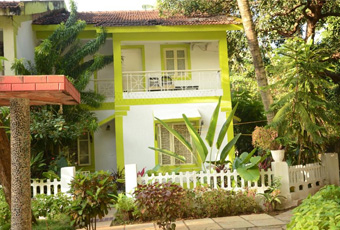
pixel 163 67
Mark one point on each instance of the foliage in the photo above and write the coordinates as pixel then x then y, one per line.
pixel 2 59
pixel 92 198
pixel 62 53
pixel 51 205
pixel 204 202
pixel 59 222
pixel 250 110
pixel 5 217
pixel 320 211
pixel 160 201
pixel 194 7
pixel 37 164
pixel 199 145
pixel 266 138
pixel 126 209
pixel 247 165
pixel 272 196
pixel 119 178
pixel 305 116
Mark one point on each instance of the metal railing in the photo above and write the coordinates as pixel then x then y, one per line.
pixel 148 81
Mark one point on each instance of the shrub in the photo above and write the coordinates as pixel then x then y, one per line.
pixel 320 211
pixel 5 212
pixel 92 198
pixel 50 205
pixel 59 222
pixel 161 202
pixel 126 209
pixel 208 202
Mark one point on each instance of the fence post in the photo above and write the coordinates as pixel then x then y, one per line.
pixel 130 179
pixel 66 176
pixel 280 170
pixel 331 163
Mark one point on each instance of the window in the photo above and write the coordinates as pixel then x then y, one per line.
pixel 176 58
pixel 167 141
pixel 84 149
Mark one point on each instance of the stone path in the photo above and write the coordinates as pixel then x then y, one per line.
pixel 244 222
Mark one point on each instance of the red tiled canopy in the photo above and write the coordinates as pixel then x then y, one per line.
pixel 41 90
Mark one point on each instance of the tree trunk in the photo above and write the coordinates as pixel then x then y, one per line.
pixel 20 155
pixel 253 43
pixel 5 165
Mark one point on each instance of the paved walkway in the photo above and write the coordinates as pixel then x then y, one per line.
pixel 244 222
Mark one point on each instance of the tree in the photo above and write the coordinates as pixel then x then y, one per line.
pixel 306 115
pixel 61 53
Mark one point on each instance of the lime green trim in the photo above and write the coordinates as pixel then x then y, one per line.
pixel 188 58
pixel 223 58
pixel 119 142
pixel 178 120
pixel 176 100
pixel 118 76
pixel 110 118
pixel 82 35
pixel 95 77
pixel 54 27
pixel 183 36
pixel 103 106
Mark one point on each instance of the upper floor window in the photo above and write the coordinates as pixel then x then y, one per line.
pixel 176 59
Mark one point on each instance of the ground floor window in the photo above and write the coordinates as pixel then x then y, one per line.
pixel 168 141
pixel 80 150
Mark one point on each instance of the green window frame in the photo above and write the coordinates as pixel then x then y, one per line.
pixel 84 149
pixel 176 58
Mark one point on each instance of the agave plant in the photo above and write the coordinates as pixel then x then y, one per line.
pixel 198 147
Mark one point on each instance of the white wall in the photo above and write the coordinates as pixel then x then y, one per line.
pixel 26 41
pixel 105 147
pixel 138 130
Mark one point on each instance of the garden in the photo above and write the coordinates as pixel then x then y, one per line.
pixel 294 130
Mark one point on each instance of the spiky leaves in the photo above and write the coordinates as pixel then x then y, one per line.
pixel 198 147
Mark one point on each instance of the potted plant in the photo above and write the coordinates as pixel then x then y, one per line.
pixel 267 138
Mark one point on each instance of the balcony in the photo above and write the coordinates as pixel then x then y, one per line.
pixel 169 84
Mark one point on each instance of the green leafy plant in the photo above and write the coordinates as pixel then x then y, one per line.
pixel 5 217
pixel 247 165
pixel 304 113
pixel 161 202
pixel 51 205
pixel 126 208
pixel 37 164
pixel 320 211
pixel 199 145
pixel 92 198
pixel 271 196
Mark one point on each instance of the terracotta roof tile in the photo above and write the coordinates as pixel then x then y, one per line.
pixel 134 18
pixel 9 5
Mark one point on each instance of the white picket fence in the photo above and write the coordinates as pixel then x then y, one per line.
pixel 306 179
pixel 48 187
pixel 227 180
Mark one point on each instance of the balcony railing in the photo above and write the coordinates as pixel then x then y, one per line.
pixel 184 80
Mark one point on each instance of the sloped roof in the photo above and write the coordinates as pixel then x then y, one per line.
pixel 9 5
pixel 134 18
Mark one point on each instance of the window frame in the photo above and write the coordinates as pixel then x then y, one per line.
pixel 187 58
pixel 89 150
pixel 196 122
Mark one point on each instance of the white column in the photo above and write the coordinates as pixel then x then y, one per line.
pixel 130 179
pixel 280 170
pixel 66 176
pixel 331 163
